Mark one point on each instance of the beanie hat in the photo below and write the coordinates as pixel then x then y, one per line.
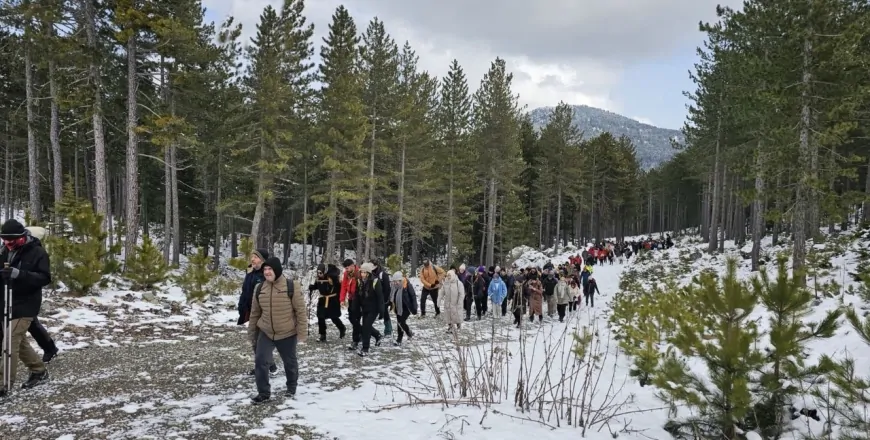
pixel 367 267
pixel 461 268
pixel 481 269
pixel 397 276
pixel 275 264
pixel 321 268
pixel 497 269
pixel 262 254
pixel 347 263
pixel 12 229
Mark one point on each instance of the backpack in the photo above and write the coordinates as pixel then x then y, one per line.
pixel 290 291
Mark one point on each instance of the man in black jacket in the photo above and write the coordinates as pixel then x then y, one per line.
pixel 329 304
pixel 26 270
pixel 37 330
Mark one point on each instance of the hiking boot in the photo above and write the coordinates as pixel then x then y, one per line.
pixel 378 341
pixel 322 338
pixel 291 395
pixel 273 369
pixel 362 353
pixel 260 398
pixel 341 333
pixel 354 346
pixel 35 379
pixel 49 355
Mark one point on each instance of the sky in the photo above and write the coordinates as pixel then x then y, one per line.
pixel 631 57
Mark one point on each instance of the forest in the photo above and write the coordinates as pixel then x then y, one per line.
pixel 170 127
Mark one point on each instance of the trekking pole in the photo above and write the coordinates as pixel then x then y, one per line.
pixel 7 334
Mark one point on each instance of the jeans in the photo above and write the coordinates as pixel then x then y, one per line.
pixel 590 299
pixel 403 328
pixel 287 350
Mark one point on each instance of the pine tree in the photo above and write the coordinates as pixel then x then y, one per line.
pixel 146 267
pixel 196 276
pixel 341 126
pixel 560 139
pixel 725 341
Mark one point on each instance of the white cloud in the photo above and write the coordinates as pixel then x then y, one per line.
pixel 558 50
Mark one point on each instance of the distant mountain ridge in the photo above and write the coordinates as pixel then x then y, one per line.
pixel 653 144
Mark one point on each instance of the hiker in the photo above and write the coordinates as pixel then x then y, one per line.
pixel 497 290
pixel 508 277
pixel 403 300
pixel 549 284
pixel 465 277
pixel 518 299
pixel 253 277
pixel 480 285
pixel 28 271
pixel 536 297
pixel 589 292
pixel 328 304
pixel 575 293
pixel 384 281
pixel 349 281
pixel 278 320
pixel 369 304
pixel 562 297
pixel 454 295
pixel 430 276
pixel 36 329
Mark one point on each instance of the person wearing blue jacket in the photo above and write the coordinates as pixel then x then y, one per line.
pixel 497 290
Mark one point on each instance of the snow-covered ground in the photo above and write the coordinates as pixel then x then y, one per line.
pixel 154 366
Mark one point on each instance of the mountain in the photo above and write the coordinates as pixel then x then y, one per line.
pixel 653 144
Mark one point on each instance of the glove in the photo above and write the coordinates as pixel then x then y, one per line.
pixel 9 273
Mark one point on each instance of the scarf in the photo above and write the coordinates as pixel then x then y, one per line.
pixel 397 299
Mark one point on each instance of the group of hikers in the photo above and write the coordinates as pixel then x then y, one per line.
pixel 278 318
pixel 623 250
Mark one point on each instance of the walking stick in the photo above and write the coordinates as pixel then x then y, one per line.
pixel 7 334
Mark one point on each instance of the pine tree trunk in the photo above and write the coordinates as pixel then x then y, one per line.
pixel 758 208
pixel 329 251
pixel 360 237
pixel 802 202
pixel 558 217
pixel 132 190
pixel 485 223
pixel 370 211
pixel 305 215
pixel 401 205
pixel 167 205
pixel 7 175
pixel 260 208
pixel 32 152
pixel 717 182
pixel 54 135
pixel 490 227
pixel 723 206
pixel 450 210
pixel 176 221
pixel 865 207
pixel 217 212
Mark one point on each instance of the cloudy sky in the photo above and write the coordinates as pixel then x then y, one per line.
pixel 627 56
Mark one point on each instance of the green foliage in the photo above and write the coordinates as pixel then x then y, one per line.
pixel 246 247
pixel 78 249
pixel 146 267
pixel 196 278
pixel 394 263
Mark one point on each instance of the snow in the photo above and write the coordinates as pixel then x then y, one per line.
pixel 413 390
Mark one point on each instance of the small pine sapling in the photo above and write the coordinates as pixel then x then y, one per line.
pixel 394 263
pixel 196 278
pixel 146 267
pixel 246 247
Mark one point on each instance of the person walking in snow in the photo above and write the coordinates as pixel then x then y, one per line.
pixel 575 293
pixel 253 277
pixel 328 304
pixel 369 304
pixel 27 270
pixel 384 281
pixel 430 276
pixel 349 281
pixel 403 300
pixel 549 284
pixel 518 299
pixel 508 277
pixel 465 277
pixel 480 285
pixel 497 291
pixel 536 297
pixel 36 329
pixel 454 295
pixel 562 297
pixel 278 320
pixel 589 292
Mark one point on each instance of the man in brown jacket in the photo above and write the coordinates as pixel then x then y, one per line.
pixel 431 277
pixel 278 320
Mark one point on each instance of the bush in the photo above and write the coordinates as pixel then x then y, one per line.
pixel 246 246
pixel 78 251
pixel 394 263
pixel 146 267
pixel 196 277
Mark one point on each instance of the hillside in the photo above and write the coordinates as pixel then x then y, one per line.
pixel 653 143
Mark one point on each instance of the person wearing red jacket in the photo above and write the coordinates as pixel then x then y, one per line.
pixel 349 281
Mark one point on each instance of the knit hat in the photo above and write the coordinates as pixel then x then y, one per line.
pixel 275 264
pixel 367 267
pixel 321 268
pixel 262 254
pixel 497 269
pixel 426 262
pixel 347 263
pixel 12 229
pixel 481 269
pixel 397 276
pixel 461 268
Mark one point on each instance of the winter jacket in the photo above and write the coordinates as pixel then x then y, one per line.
pixel 497 290
pixel 369 299
pixel 409 299
pixel 384 283
pixel 252 278
pixel 454 294
pixel 549 284
pixel 479 286
pixel 591 288
pixel 575 292
pixel 278 314
pixel 431 276
pixel 518 296
pixel 536 297
pixel 34 273
pixel 349 283
pixel 563 293
pixel 329 286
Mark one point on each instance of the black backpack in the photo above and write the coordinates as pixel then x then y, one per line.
pixel 290 292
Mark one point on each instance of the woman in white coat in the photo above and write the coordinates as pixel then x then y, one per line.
pixel 454 294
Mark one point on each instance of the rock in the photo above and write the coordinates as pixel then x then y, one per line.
pixel 695 256
pixel 175 307
pixel 150 297
pixel 817 301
